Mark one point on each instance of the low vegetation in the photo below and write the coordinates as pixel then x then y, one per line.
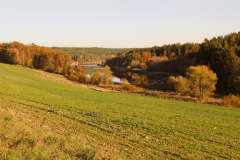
pixel 22 136
pixel 80 122
pixel 179 83
pixel 231 101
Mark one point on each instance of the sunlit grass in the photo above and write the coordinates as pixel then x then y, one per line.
pixel 122 125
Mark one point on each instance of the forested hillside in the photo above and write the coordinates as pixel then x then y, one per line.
pixel 34 56
pixel 221 54
pixel 43 58
pixel 93 53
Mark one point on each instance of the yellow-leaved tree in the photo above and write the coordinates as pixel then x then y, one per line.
pixel 107 75
pixel 202 81
pixel 96 77
pixel 102 78
pixel 179 83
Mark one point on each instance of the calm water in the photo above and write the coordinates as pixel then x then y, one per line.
pixel 133 78
pixel 93 68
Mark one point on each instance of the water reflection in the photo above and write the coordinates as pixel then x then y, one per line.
pixel 133 78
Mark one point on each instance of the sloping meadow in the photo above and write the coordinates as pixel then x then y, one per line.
pixel 108 125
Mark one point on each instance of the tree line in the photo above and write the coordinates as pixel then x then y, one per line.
pixel 51 60
pixel 93 54
pixel 221 54
pixel 44 58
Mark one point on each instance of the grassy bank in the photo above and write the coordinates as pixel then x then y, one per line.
pixel 115 125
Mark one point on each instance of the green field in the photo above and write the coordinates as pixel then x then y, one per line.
pixel 115 125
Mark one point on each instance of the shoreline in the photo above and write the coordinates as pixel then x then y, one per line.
pixel 150 74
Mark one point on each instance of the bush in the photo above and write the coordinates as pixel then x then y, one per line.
pixel 107 76
pixel 59 70
pixel 96 77
pixel 73 77
pixel 30 63
pixel 129 87
pixel 102 78
pixel 231 101
pixel 179 83
pixel 82 77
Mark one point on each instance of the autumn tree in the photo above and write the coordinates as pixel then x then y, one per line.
pixel 179 83
pixel 13 55
pixel 107 75
pixel 81 73
pixel 59 61
pixel 145 56
pixel 172 55
pixel 96 77
pixel 202 81
pixel 136 56
pixel 40 61
pixel 164 53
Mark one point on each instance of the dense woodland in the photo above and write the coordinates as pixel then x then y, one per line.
pixel 221 54
pixel 44 58
pixel 34 56
pixel 93 54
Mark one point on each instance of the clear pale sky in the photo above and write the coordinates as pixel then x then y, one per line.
pixel 116 23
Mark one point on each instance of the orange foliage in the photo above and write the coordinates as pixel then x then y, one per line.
pixel 145 56
pixel 231 101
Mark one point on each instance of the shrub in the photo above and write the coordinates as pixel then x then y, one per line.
pixel 124 81
pixel 73 77
pixel 129 87
pixel 70 70
pixel 231 101
pixel 107 76
pixel 59 70
pixel 96 77
pixel 179 83
pixel 30 63
pixel 82 77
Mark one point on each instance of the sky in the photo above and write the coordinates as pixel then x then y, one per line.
pixel 116 23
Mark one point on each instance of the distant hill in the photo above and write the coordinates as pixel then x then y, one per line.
pixel 93 53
